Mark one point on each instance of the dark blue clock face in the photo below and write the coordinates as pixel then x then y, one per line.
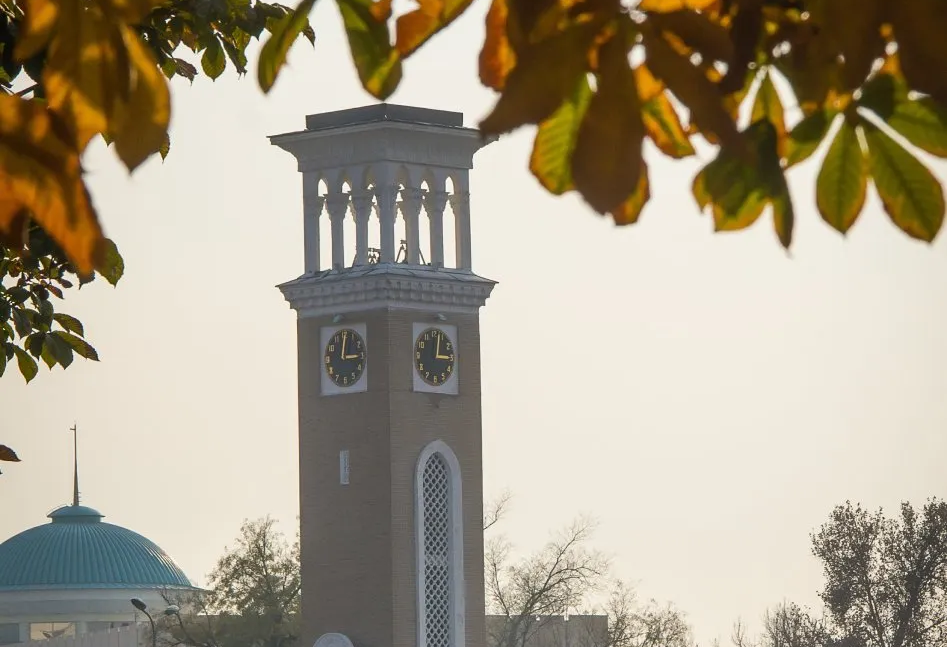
pixel 434 356
pixel 345 357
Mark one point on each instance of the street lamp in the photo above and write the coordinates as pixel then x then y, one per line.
pixel 139 604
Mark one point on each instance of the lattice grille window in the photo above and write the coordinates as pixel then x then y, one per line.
pixel 435 493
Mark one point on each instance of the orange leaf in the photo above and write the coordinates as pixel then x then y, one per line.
pixel 629 211
pixel 648 86
pixel 37 27
pixel 413 29
pixel 40 172
pixel 545 74
pixel 497 57
pixel 675 5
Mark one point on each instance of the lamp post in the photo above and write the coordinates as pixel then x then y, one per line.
pixel 139 604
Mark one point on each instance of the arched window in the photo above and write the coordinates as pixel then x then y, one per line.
pixel 440 549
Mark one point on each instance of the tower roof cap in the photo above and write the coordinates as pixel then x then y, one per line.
pixel 381 112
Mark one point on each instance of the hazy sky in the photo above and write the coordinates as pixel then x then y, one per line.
pixel 736 394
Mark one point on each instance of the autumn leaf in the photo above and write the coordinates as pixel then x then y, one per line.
pixel 606 162
pixel 675 5
pixel 414 28
pixel 26 364
pixel 648 86
pixel 377 62
pixel 39 21
pixel 628 212
pixel 86 77
pixel 551 159
pixel 664 127
pixel 695 91
pixel 213 61
pixel 283 35
pixel 908 190
pixel 40 172
pixel 843 180
pixel 496 57
pixel 769 107
pixel 7 454
pixel 545 74
pixel 141 124
pixel 745 29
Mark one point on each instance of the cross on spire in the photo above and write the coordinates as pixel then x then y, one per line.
pixel 75 464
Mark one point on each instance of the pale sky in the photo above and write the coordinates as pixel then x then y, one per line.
pixel 735 393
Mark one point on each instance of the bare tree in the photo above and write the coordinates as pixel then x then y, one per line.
pixel 787 625
pixel 886 578
pixel 496 510
pixel 553 581
pixel 533 596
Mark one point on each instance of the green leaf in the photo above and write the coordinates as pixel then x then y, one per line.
pixel 79 345
pixel 46 354
pixel 3 359
pixel 555 140
pixel 284 34
pixel 46 314
pixel 909 191
pixel 923 123
pixel 377 61
pixel 805 138
pixel 213 61
pixel 882 93
pixel 69 323
pixel 113 265
pixel 26 364
pixel 7 454
pixel 59 348
pixel 843 180
pixel 664 127
pixel 22 322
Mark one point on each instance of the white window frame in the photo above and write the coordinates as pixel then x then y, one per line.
pixel 456 539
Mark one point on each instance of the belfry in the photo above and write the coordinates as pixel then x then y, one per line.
pixel 390 441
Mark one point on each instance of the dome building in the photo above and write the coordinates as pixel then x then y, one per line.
pixel 78 574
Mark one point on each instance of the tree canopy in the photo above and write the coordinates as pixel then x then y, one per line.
pixel 769 82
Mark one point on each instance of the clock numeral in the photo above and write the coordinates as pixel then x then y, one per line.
pixel 450 368
pixel 328 359
pixel 331 348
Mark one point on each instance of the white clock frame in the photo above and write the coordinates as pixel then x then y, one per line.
pixel 328 386
pixel 450 387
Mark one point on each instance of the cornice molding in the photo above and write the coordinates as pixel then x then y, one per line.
pixel 386 285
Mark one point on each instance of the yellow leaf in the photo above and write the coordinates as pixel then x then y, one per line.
pixel 496 57
pixel 695 91
pixel 40 173
pixel 664 127
pixel 544 75
pixel 606 162
pixel 675 5
pixel 142 124
pixel 551 159
pixel 414 28
pixel 629 211
pixel 39 19
pixel 648 86
pixel 378 63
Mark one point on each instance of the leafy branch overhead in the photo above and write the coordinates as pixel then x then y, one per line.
pixel 599 77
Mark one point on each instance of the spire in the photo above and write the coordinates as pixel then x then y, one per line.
pixel 75 465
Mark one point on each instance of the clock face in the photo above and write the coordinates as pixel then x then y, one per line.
pixel 434 356
pixel 345 357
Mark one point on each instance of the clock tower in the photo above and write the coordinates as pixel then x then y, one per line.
pixel 390 451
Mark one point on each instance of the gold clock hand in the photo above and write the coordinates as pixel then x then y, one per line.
pixel 437 352
pixel 345 335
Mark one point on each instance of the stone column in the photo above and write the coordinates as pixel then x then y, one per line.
pixel 434 204
pixel 337 204
pixel 386 195
pixel 460 204
pixel 362 202
pixel 313 204
pixel 410 209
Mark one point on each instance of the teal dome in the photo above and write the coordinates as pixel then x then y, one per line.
pixel 77 550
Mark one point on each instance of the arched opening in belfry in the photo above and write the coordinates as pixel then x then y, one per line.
pixel 348 227
pixel 450 227
pixel 424 222
pixel 325 229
